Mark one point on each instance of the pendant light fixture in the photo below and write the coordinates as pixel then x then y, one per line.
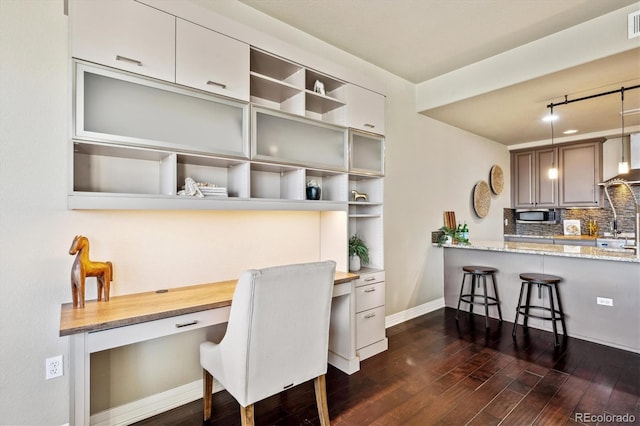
pixel 623 166
pixel 553 171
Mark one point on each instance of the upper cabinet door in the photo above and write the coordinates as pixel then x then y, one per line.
pixel 581 167
pixel 523 179
pixel 365 109
pixel 546 189
pixel 211 61
pixel 124 34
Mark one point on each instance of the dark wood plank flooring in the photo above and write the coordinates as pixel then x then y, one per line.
pixel 437 373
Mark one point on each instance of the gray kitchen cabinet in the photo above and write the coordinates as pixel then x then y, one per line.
pixel 580 172
pixel 531 186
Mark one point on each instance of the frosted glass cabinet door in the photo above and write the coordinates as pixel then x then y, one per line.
pixel 112 106
pixel 124 34
pixel 211 61
pixel 367 153
pixel 287 139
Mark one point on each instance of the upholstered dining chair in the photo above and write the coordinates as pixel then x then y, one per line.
pixel 277 337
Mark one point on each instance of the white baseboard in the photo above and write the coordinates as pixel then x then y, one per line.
pixel 414 312
pixel 172 398
pixel 151 405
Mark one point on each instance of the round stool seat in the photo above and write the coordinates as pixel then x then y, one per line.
pixel 472 298
pixel 524 305
pixel 479 270
pixel 540 278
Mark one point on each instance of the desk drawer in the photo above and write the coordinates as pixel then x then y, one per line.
pixel 369 296
pixel 115 337
pixel 370 278
pixel 369 327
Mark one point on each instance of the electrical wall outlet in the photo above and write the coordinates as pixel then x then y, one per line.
pixel 53 367
pixel 604 301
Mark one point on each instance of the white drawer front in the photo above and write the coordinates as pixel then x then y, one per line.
pixel 370 278
pixel 369 327
pixel 127 335
pixel 369 296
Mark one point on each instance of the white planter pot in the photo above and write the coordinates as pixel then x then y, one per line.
pixel 354 263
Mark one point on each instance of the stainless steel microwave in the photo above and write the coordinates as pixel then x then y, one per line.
pixel 537 216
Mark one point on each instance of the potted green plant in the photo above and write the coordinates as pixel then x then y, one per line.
pixel 451 236
pixel 358 253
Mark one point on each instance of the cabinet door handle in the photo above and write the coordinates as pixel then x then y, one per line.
pixel 369 125
pixel 371 315
pixel 215 83
pixel 125 59
pixel 370 279
pixel 187 324
pixel 369 290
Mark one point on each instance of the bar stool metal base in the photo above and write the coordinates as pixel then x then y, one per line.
pixel 477 272
pixel 549 282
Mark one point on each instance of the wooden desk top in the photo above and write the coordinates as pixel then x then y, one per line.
pixel 131 309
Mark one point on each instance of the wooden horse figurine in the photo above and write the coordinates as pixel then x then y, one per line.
pixel 83 267
pixel 357 196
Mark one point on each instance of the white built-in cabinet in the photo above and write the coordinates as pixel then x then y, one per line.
pixel 125 34
pixel 365 109
pixel 130 36
pixel 210 61
pixel 370 314
pixel 158 99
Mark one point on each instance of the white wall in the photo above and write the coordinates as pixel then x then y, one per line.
pixel 431 167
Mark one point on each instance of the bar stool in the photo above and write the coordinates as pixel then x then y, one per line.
pixel 476 273
pixel 542 280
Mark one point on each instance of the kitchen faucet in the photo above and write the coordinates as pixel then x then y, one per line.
pixel 614 182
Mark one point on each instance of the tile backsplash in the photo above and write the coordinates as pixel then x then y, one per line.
pixel 620 197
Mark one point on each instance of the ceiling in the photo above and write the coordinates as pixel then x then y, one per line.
pixel 422 39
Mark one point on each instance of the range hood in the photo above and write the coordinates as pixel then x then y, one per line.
pixel 633 177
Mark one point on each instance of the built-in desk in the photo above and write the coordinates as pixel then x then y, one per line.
pixel 134 318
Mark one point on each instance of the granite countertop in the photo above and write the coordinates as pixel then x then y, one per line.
pixel 585 252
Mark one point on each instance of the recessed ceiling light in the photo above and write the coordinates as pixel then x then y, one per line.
pixel 570 131
pixel 550 117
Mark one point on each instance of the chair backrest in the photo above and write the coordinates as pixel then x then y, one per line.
pixel 278 330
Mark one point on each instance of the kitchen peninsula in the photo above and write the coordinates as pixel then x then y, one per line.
pixel 588 273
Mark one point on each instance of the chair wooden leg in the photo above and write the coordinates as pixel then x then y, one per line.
pixel 246 415
pixel 207 397
pixel 319 383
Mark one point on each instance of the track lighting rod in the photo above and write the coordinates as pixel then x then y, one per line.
pixel 566 101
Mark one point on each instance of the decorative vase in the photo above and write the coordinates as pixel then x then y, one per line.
pixel 354 263
pixel 313 192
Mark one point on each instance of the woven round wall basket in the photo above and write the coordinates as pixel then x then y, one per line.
pixel 496 179
pixel 481 198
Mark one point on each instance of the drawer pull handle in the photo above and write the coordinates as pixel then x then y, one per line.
pixel 187 324
pixel 369 316
pixel 370 279
pixel 371 126
pixel 125 59
pixel 215 83
pixel 369 290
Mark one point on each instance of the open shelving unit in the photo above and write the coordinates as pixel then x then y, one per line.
pixel 286 86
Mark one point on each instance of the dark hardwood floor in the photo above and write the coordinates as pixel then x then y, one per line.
pixel 437 373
